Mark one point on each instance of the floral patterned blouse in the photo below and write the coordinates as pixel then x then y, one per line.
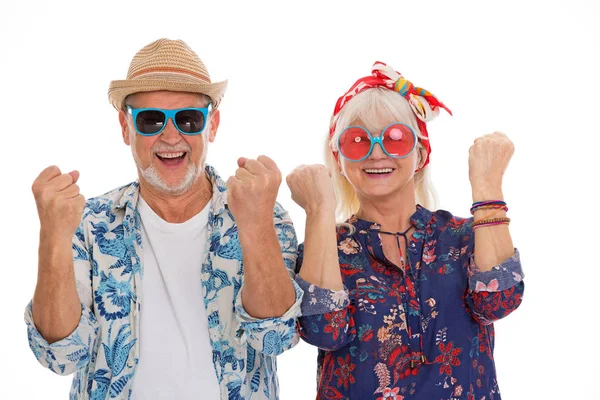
pixel 426 333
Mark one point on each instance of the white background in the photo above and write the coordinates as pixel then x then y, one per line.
pixel 528 69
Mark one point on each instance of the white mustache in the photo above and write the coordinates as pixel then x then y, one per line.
pixel 162 147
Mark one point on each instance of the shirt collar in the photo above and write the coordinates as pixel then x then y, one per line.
pixel 219 186
pixel 420 219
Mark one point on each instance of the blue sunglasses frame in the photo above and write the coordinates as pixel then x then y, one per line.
pixel 169 115
pixel 378 140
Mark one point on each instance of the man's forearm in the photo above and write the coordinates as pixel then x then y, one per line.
pixel 56 306
pixel 267 291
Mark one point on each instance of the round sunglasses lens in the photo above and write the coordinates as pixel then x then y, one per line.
pixel 354 143
pixel 398 140
pixel 150 121
pixel 190 121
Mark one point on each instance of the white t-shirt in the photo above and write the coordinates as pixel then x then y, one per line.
pixel 175 352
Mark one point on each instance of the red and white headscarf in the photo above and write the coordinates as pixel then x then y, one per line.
pixel 424 104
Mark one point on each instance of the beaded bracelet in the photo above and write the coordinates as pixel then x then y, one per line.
pixel 491 222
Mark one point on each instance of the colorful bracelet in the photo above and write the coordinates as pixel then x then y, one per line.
pixel 483 203
pixel 492 204
pixel 501 219
pixel 491 222
pixel 491 207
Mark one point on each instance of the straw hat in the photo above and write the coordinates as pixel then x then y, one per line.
pixel 166 65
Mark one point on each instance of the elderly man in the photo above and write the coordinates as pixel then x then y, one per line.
pixel 177 286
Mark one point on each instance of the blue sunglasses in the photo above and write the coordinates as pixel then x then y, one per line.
pixel 152 121
pixel 397 140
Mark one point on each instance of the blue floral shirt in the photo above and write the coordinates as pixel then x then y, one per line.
pixel 423 333
pixel 103 351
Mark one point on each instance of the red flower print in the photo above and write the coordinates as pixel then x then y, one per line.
pixel 457 223
pixel 337 321
pixel 329 392
pixel 397 289
pixel 448 358
pixel 410 286
pixel 391 394
pixel 367 335
pixel 511 303
pixel 471 395
pixel 428 253
pixel 484 341
pixel 348 269
pixel 344 372
pixel 399 360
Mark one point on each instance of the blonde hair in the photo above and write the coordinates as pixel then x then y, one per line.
pixel 374 108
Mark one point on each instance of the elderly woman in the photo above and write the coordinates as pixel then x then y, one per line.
pixel 399 299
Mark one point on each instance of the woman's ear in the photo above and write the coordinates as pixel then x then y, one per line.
pixel 339 164
pixel 422 158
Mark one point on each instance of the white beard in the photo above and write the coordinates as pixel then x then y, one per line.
pixel 151 176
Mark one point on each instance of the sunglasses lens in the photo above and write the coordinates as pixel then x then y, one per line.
pixel 150 121
pixel 354 143
pixel 398 140
pixel 190 121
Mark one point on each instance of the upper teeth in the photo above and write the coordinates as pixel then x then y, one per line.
pixel 378 171
pixel 171 155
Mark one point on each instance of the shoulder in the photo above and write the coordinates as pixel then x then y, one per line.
pixel 106 207
pixel 450 227
pixel 445 218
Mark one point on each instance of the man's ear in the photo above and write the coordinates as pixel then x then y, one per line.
pixel 124 121
pixel 214 125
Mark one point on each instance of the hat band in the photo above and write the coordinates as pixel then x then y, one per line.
pixel 169 71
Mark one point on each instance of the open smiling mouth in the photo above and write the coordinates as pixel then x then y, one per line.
pixel 379 171
pixel 172 158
